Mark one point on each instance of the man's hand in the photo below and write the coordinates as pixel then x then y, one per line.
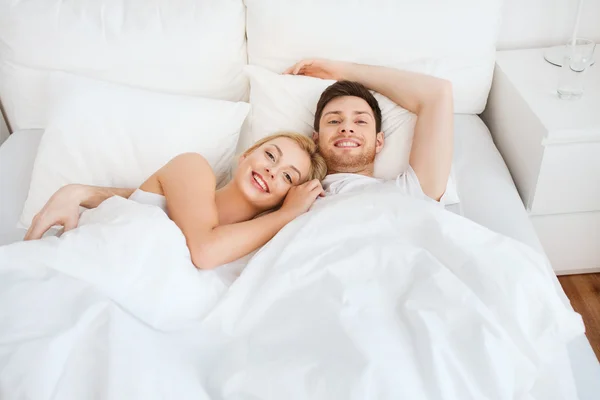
pixel 318 68
pixel 62 209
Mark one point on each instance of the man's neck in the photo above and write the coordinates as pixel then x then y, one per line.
pixel 368 171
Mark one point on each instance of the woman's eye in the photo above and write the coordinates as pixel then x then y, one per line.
pixel 271 156
pixel 362 122
pixel 287 177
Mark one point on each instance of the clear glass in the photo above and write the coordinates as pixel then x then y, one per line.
pixel 577 61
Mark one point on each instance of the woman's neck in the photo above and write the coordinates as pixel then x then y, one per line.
pixel 232 206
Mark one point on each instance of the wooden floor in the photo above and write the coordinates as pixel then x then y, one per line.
pixel 584 293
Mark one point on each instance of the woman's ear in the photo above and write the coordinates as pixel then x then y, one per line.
pixel 241 158
pixel 379 142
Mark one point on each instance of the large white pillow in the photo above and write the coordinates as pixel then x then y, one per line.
pixel 454 40
pixel 192 47
pixel 105 134
pixel 288 102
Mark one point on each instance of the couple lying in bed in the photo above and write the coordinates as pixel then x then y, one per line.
pixel 284 171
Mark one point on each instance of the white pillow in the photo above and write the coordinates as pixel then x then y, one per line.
pixel 104 134
pixel 288 102
pixel 188 47
pixel 454 40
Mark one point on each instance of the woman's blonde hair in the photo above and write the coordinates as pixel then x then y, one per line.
pixel 318 167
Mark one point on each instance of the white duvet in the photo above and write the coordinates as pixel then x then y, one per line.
pixel 367 296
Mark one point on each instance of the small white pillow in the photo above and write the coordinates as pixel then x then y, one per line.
pixel 288 102
pixel 104 134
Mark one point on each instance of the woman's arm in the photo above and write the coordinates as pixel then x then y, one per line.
pixel 92 196
pixel 188 184
pixel 62 209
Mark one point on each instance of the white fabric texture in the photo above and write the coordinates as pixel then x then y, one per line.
pixel 105 134
pixel 186 47
pixel 449 310
pixel 454 40
pixel 140 196
pixel 286 102
pixel 407 183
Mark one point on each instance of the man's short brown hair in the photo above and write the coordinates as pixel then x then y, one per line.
pixel 348 88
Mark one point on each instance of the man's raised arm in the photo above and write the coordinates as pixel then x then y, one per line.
pixel 428 97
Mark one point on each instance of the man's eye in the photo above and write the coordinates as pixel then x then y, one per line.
pixel 287 177
pixel 334 121
pixel 362 122
pixel 271 156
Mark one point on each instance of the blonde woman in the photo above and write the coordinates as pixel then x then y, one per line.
pixel 281 172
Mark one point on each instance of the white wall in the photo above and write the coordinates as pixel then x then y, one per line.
pixel 540 23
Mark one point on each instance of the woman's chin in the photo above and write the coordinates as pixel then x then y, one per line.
pixel 254 196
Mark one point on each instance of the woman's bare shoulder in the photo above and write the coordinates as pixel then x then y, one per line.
pixel 181 167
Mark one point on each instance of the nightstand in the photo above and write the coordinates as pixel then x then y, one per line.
pixel 552 149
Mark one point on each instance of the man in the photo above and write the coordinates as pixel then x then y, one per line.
pixel 348 124
pixel 347 128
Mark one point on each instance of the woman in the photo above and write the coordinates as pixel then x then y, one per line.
pixel 281 172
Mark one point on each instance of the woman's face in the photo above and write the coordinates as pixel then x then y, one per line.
pixel 266 175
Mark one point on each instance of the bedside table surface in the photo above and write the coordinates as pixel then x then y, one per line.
pixel 536 81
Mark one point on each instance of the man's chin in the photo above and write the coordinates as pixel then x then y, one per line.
pixel 346 165
pixel 345 160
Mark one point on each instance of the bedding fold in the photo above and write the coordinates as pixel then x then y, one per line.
pixel 369 295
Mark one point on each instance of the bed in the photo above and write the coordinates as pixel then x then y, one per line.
pixel 93 40
pixel 477 165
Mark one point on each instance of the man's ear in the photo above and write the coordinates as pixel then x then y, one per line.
pixel 379 142
pixel 315 137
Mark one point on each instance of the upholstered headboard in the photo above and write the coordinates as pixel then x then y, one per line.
pixel 198 47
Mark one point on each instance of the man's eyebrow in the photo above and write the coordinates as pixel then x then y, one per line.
pixel 355 113
pixel 363 112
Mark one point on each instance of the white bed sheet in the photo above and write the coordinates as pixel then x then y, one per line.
pixel 488 196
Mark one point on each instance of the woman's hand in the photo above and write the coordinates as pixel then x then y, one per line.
pixel 62 209
pixel 301 197
pixel 324 69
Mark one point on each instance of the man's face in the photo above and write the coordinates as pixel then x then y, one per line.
pixel 347 136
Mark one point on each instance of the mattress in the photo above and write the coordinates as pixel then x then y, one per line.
pixel 487 192
pixel 17 155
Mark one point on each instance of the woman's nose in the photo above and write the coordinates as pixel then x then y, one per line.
pixel 269 172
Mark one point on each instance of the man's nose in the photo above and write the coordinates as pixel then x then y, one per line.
pixel 346 129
